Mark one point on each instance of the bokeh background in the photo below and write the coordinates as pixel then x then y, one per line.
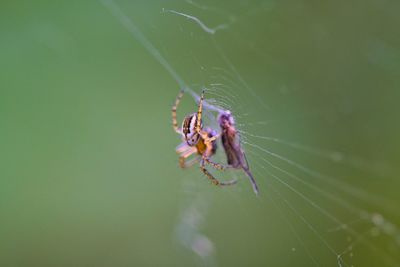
pixel 89 175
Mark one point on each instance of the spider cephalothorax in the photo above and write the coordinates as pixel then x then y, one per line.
pixel 197 141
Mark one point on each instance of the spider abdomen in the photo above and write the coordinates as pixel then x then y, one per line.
pixel 189 132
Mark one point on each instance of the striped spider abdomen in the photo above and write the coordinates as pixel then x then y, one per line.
pixel 189 132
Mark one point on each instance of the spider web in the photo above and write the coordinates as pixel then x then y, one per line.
pixel 312 125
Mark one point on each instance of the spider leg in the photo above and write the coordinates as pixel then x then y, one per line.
pixel 200 113
pixel 212 139
pixel 183 147
pixel 214 180
pixel 187 164
pixel 207 139
pixel 174 108
pixel 184 156
pixel 216 165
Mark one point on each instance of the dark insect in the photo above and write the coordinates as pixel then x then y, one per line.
pixel 230 138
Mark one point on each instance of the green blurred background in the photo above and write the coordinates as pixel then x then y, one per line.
pixel 89 175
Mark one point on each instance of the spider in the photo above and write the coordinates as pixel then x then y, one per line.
pixel 197 140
